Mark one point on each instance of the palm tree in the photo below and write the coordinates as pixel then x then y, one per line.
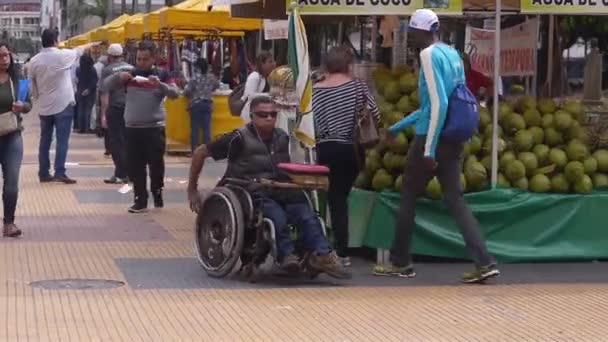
pixel 98 8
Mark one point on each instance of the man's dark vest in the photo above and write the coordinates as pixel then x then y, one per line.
pixel 256 160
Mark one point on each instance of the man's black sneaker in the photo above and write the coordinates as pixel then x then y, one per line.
pixel 46 179
pixel 138 208
pixel 158 199
pixel 64 180
pixel 395 271
pixel 480 274
pixel 115 180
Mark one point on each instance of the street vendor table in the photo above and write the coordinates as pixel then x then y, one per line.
pixel 519 226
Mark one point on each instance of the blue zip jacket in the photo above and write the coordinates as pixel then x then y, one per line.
pixel 442 70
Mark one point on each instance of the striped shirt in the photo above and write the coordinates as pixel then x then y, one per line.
pixel 335 109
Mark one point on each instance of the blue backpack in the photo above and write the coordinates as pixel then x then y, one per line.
pixel 462 119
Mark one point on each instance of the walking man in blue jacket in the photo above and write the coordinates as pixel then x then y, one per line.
pixel 441 71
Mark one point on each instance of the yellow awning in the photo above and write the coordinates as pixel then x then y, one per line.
pixel 134 27
pixel 174 18
pixel 151 21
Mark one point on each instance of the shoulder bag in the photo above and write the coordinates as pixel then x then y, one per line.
pixel 8 120
pixel 365 132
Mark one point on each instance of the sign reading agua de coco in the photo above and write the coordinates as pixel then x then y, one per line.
pixel 564 6
pixel 376 7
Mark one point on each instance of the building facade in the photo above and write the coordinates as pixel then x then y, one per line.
pixel 20 19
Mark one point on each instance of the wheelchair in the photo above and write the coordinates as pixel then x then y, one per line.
pixel 231 229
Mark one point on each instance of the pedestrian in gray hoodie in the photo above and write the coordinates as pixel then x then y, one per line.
pixel 146 89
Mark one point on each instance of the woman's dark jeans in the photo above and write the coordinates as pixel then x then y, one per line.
pixel 11 156
pixel 343 169
pixel 200 119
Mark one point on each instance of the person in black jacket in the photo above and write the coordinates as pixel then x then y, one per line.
pixel 86 92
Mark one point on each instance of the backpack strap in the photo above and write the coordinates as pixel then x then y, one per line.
pixel 454 73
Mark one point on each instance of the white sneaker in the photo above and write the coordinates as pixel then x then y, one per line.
pixel 345 261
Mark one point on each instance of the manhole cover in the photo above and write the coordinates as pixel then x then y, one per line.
pixel 77 284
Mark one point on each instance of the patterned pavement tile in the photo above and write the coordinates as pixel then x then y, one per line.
pixel 110 196
pixel 93 228
pixel 72 158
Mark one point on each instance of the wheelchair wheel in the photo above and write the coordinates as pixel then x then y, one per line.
pixel 220 231
pixel 245 201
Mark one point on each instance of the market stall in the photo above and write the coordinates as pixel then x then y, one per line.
pixel 535 176
pixel 196 31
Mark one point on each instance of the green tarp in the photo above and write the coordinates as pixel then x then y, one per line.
pixel 519 226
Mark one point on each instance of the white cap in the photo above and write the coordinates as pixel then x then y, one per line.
pixel 115 50
pixel 425 20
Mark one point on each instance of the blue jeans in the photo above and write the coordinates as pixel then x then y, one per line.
pixel 304 218
pixel 200 119
pixel 85 108
pixel 62 123
pixel 11 155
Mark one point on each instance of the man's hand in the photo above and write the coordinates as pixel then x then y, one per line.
pixel 104 122
pixel 195 200
pixel 125 76
pixel 154 80
pixel 18 107
pixel 429 163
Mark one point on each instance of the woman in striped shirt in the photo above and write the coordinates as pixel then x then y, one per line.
pixel 335 102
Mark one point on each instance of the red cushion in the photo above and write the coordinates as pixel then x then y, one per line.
pixel 304 168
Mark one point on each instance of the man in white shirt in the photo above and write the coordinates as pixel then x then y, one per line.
pixel 53 101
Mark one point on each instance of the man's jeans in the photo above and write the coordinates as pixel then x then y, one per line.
pixel 117 141
pixel 62 123
pixel 304 218
pixel 200 119
pixel 11 156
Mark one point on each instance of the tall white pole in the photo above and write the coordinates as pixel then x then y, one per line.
pixel 496 101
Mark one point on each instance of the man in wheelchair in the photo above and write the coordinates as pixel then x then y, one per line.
pixel 254 152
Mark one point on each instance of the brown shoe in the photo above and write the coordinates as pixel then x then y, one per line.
pixel 11 230
pixel 329 264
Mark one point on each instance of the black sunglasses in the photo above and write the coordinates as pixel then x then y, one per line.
pixel 266 114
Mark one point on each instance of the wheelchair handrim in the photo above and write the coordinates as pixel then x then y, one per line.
pixel 233 237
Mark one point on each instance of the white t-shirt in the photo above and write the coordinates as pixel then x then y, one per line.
pixel 254 86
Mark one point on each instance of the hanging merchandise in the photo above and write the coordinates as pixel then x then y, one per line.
pixel 187 58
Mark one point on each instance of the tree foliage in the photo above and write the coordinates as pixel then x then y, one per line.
pixel 98 8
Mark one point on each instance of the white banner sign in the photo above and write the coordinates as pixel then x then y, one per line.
pixel 517 49
pixel 275 29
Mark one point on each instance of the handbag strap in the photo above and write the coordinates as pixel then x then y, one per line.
pixel 10 81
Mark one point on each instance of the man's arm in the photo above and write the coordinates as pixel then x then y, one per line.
pixel 113 82
pixel 198 161
pixel 438 100
pixel 404 123
pixel 225 146
pixel 33 85
pixel 170 90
